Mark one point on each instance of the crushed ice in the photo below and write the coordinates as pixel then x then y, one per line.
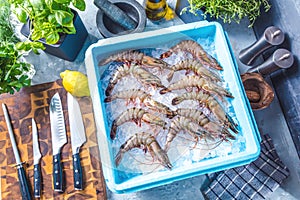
pixel 183 150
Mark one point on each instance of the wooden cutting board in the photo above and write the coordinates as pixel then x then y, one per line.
pixel 34 102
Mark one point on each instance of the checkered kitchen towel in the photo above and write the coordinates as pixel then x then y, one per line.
pixel 253 181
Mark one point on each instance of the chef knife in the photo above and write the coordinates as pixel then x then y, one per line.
pixel 77 139
pixel 59 138
pixel 21 172
pixel 36 161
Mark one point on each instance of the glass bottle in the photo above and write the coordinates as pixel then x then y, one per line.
pixel 156 9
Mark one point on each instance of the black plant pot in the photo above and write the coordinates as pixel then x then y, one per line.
pixel 69 45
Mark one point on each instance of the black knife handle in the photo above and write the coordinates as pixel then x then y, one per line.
pixel 23 183
pixel 77 172
pixel 57 173
pixel 37 180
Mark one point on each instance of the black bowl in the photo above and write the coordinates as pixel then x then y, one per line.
pixel 132 8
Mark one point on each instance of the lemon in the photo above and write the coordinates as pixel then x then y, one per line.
pixel 75 83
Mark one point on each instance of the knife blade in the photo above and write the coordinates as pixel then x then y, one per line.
pixel 78 138
pixel 59 139
pixel 21 172
pixel 36 161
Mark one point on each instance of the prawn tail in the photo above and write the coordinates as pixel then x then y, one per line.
pixel 232 124
pixel 166 55
pixel 113 131
pixel 119 157
pixel 176 101
pixel 170 76
pixel 108 99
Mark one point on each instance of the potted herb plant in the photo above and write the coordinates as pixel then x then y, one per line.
pixel 53 23
pixel 228 10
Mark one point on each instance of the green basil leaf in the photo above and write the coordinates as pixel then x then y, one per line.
pixel 38 45
pixel 20 45
pixel 52 38
pixel 69 30
pixel 79 4
pixel 63 18
pixel 49 3
pixel 63 1
pixel 21 14
pixel 36 35
pixel 52 19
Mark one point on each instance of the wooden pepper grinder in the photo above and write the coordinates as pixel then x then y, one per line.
pixel 156 9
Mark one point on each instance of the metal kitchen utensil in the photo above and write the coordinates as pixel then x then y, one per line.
pixel 280 59
pixel 36 161
pixel 78 137
pixel 21 172
pixel 59 138
pixel 272 36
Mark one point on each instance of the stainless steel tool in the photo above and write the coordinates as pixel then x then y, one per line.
pixel 59 138
pixel 36 161
pixel 78 137
pixel 21 172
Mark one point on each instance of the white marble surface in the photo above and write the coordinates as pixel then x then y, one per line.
pixel 49 67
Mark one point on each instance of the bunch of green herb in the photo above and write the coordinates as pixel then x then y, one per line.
pixel 6 31
pixel 12 70
pixel 229 10
pixel 49 18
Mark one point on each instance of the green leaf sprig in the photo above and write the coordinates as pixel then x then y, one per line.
pixel 229 10
pixel 12 70
pixel 48 18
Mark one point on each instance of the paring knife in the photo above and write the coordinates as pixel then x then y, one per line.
pixel 77 139
pixel 21 172
pixel 36 161
pixel 59 138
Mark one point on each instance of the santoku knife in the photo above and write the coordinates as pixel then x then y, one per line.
pixel 36 161
pixel 59 138
pixel 21 172
pixel 77 139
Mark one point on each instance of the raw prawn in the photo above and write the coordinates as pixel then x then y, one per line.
pixel 196 67
pixel 136 115
pixel 143 76
pixel 182 124
pixel 200 83
pixel 196 50
pixel 146 99
pixel 148 143
pixel 216 130
pixel 211 103
pixel 135 57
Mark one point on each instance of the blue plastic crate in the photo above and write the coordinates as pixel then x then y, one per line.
pixel 213 37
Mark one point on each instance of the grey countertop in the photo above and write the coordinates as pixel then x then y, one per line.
pixel 269 120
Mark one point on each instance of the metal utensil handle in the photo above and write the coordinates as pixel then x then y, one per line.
pixel 37 180
pixel 77 172
pixel 57 173
pixel 23 183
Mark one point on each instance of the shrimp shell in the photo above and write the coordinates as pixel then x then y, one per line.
pixel 137 58
pixel 196 50
pixel 143 76
pixel 136 115
pixel 148 143
pixel 196 67
pixel 181 124
pixel 201 83
pixel 130 95
pixel 211 103
pixel 217 130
